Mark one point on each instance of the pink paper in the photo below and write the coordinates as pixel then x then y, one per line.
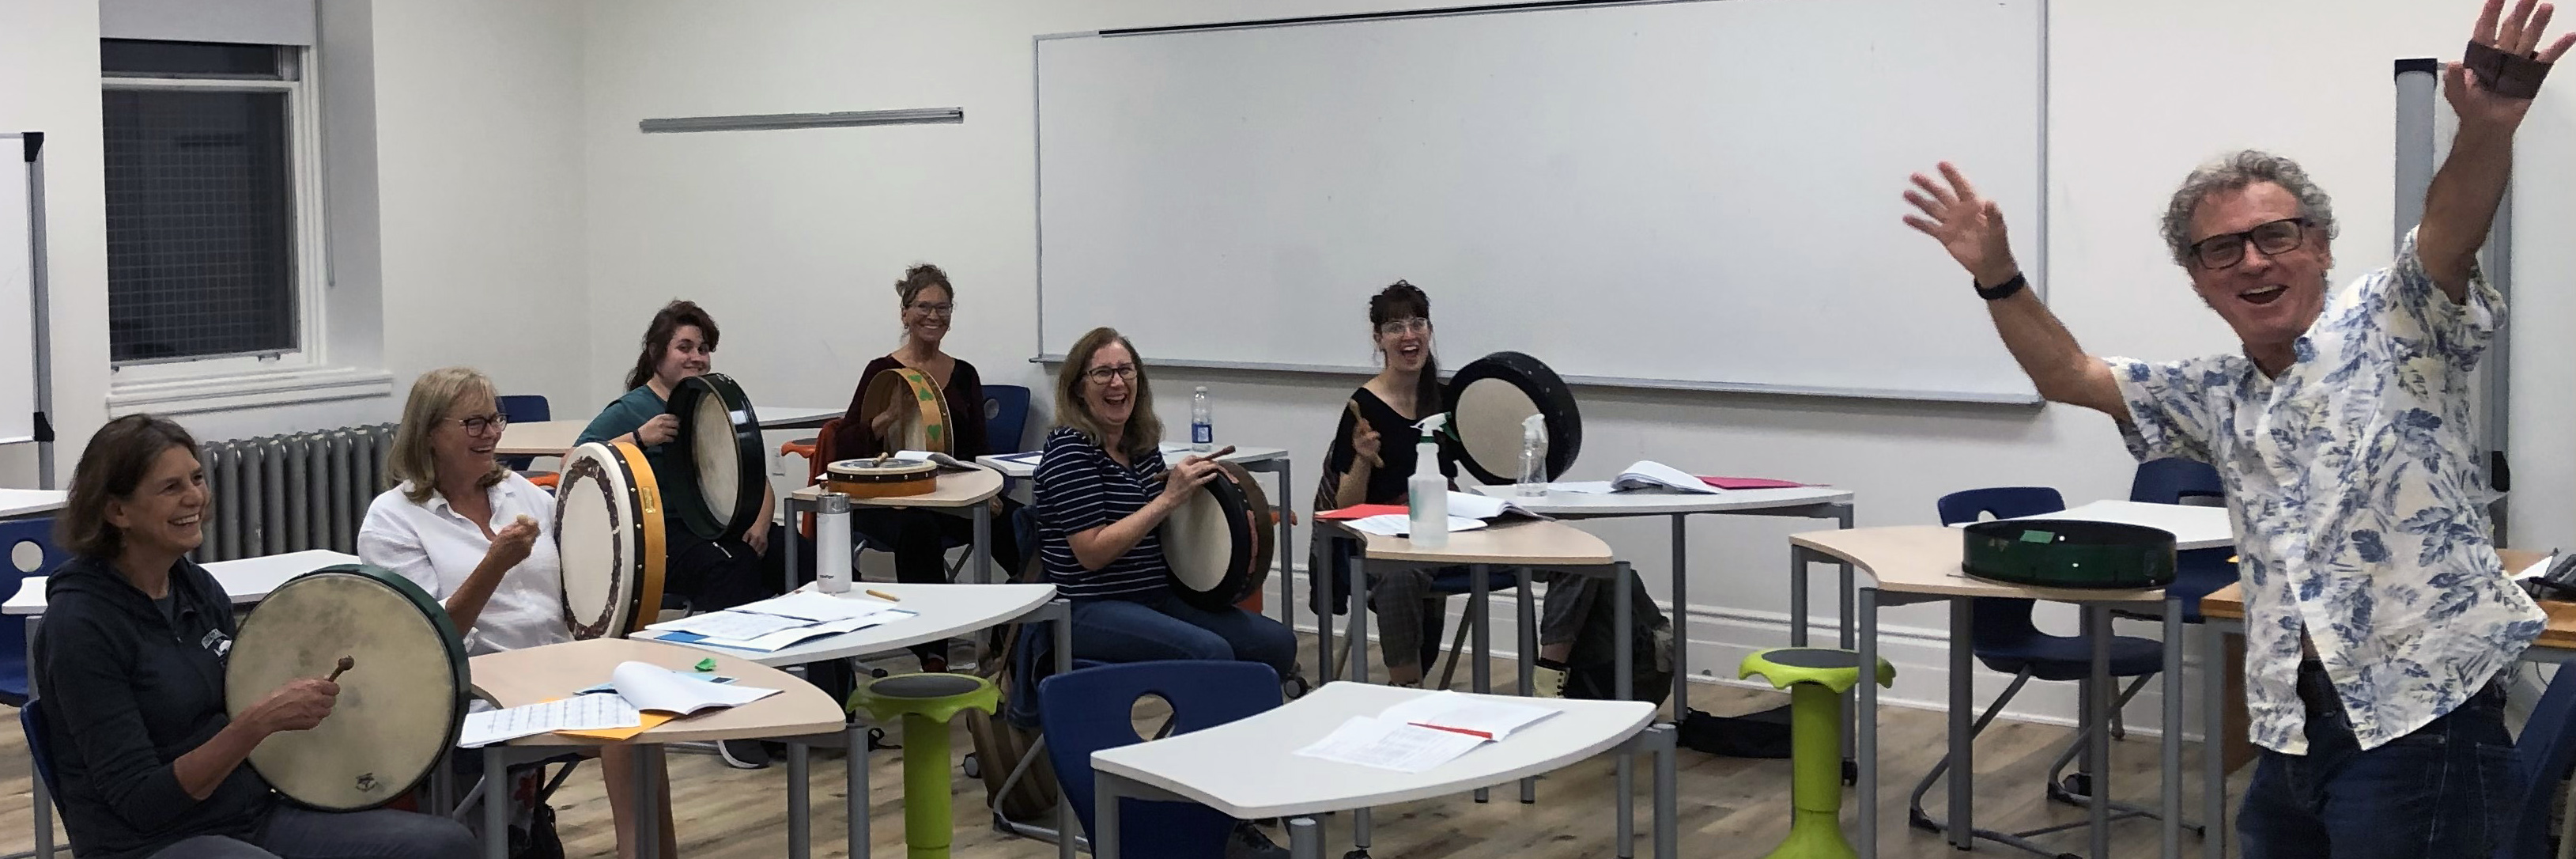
pixel 1749 483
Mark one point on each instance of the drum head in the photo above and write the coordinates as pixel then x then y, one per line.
pixel 718 491
pixel 1491 396
pixel 608 528
pixel 401 703
pixel 1218 543
pixel 921 420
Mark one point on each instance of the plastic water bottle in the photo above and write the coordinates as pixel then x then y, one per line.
pixel 1426 493
pixel 1533 457
pixel 1202 425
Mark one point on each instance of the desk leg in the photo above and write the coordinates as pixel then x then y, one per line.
pixel 1065 824
pixel 1963 762
pixel 795 508
pixel 800 802
pixel 1528 627
pixel 2213 716
pixel 854 765
pixel 2097 717
pixel 1844 517
pixel 1865 713
pixel 2171 747
pixel 1681 617
pixel 1798 558
pixel 1667 830
pixel 1287 536
pixel 41 801
pixel 648 828
pixel 1361 822
pixel 1305 839
pixel 1623 680
pixel 1479 603
pixel 1357 588
pixel 496 804
pixel 983 543
pixel 1104 810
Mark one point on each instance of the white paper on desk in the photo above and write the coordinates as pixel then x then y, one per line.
pixel 577 713
pixel 1389 744
pixel 1398 525
pixel 731 624
pixel 2534 571
pixel 1467 714
pixel 652 687
pixel 810 605
pixel 786 638
pixel 1583 487
pixel 1649 474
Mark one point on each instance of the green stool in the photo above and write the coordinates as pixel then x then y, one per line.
pixel 1816 678
pixel 926 702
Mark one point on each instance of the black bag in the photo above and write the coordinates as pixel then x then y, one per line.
pixel 537 840
pixel 1592 669
pixel 1753 735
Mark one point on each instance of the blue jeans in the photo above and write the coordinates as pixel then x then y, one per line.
pixel 1164 627
pixel 298 833
pixel 2443 790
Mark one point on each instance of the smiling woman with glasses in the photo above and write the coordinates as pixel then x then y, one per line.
pixel 920 537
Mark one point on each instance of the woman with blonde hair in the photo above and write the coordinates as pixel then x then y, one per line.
pixel 480 538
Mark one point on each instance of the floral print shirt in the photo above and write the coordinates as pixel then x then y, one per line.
pixel 2358 503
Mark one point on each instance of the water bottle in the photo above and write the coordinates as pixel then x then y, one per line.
pixel 832 544
pixel 1426 493
pixel 1533 482
pixel 1202 426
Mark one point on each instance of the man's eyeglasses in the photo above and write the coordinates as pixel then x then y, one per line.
pixel 479 424
pixel 1411 325
pixel 2272 238
pixel 1102 375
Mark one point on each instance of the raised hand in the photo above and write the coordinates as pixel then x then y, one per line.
pixel 1364 440
pixel 1970 227
pixel 2518 34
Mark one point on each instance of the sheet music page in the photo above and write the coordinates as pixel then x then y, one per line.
pixel 1390 744
pixel 818 606
pixel 731 624
pixel 577 713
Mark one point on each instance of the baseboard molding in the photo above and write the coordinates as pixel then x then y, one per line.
pixel 1720 638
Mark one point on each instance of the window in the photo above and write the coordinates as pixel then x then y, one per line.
pixel 213 226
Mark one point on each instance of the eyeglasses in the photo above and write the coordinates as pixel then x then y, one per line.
pixel 1102 375
pixel 480 424
pixel 1409 325
pixel 2272 238
pixel 944 308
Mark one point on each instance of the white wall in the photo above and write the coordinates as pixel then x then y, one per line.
pixel 795 236
pixel 49 83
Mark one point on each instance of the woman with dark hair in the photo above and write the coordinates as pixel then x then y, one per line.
pixel 131 660
pixel 713 574
pixel 1373 453
pixel 1102 491
pixel 920 537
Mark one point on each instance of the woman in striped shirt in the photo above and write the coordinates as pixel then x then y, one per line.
pixel 1102 491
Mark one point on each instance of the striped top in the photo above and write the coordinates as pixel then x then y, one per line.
pixel 1080 488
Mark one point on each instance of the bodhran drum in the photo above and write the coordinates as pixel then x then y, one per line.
pixel 717 492
pixel 402 699
pixel 2069 553
pixel 1218 543
pixel 920 411
pixel 1488 401
pixel 885 477
pixel 608 528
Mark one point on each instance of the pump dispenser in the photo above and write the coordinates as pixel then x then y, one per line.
pixel 1427 491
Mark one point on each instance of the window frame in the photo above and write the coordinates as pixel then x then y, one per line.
pixel 308 231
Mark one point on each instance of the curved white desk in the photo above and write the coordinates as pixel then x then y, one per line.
pixel 1249 768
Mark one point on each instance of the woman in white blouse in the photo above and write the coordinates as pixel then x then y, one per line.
pixel 478 536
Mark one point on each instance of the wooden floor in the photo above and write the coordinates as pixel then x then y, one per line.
pixel 1728 806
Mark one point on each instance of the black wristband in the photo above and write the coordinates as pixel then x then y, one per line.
pixel 2000 291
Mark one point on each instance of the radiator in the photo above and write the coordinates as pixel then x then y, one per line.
pixel 288 493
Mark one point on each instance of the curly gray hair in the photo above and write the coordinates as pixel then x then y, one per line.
pixel 2233 172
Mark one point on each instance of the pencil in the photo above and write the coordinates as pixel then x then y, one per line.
pixel 884 596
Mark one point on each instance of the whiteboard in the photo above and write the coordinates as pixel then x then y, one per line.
pixel 17 290
pixel 1692 194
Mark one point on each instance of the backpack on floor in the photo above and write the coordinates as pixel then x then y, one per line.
pixel 1592 669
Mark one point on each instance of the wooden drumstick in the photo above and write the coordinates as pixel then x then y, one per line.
pixel 346 663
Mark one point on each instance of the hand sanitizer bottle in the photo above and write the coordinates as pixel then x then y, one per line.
pixel 1427 491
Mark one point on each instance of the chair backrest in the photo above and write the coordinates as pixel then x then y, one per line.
pixel 524 408
pixel 31 719
pixel 1088 710
pixel 1006 416
pixel 2000 622
pixel 2177 481
pixel 26 549
pixel 2542 757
